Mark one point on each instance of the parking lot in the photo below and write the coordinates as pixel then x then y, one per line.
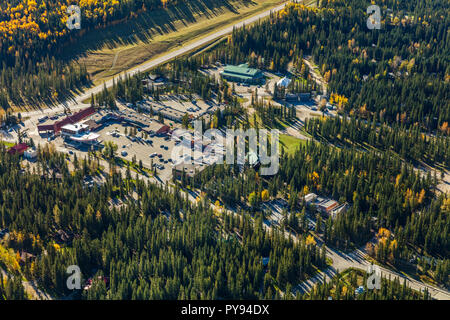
pixel 148 152
pixel 174 107
pixel 152 150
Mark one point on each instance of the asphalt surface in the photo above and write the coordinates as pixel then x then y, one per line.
pixel 155 62
pixel 341 261
pixel 357 260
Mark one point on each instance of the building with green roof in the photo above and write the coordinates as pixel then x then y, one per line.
pixel 242 73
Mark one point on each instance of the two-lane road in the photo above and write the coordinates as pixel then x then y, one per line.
pixel 157 61
pixel 357 260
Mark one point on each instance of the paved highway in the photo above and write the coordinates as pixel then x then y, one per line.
pixel 341 261
pixel 155 62
pixel 357 260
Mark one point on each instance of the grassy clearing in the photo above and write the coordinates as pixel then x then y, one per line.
pixel 7 144
pixel 134 167
pixel 130 43
pixel 290 143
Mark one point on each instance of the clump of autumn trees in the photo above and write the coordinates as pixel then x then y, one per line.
pixel 34 32
pixel 386 248
pixel 159 246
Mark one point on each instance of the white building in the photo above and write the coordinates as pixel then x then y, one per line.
pixel 79 134
pixel 310 197
pixel 284 82
pixel 30 153
pixel 73 129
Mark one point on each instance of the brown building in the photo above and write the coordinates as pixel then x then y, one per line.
pixel 327 205
pixel 190 170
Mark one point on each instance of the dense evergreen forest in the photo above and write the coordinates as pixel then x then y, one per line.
pixel 343 286
pixel 33 33
pixel 411 145
pixel 156 247
pixel 399 74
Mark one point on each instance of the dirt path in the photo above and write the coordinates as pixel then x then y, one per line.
pixel 444 184
pixel 294 130
pixel 313 70
pixel 31 289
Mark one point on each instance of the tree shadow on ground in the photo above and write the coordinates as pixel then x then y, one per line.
pixel 147 25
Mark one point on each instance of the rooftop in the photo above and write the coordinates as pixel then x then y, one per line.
pixel 75 127
pixel 85 137
pixel 18 148
pixel 190 168
pixel 242 71
pixel 327 203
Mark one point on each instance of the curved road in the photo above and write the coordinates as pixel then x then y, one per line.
pixel 356 259
pixel 341 261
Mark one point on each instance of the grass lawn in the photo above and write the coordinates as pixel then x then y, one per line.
pixel 7 144
pixel 134 167
pixel 242 100
pixel 290 143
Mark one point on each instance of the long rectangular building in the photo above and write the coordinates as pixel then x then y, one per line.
pixel 72 119
pixel 242 73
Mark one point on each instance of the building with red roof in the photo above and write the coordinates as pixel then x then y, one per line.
pixel 163 130
pixel 72 119
pixel 18 149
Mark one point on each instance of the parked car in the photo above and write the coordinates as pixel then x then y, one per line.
pixel 124 153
